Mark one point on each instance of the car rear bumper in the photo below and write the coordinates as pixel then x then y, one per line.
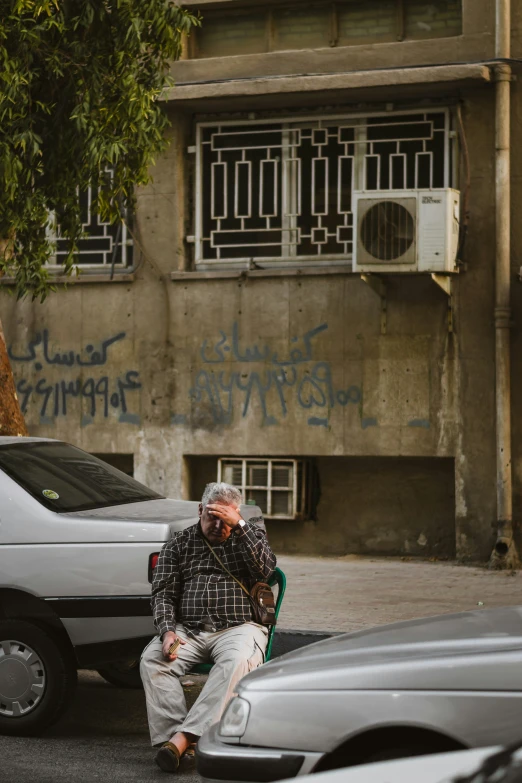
pixel 219 761
pixel 93 656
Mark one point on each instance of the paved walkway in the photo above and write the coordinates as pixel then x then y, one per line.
pixel 351 593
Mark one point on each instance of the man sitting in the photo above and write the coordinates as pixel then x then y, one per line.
pixel 196 601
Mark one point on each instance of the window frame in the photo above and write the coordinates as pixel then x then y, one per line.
pixel 300 500
pixel 450 176
pixel 124 240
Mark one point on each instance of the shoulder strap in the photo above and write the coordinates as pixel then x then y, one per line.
pixel 223 566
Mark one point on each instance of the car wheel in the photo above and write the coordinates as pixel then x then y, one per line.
pixel 123 674
pixel 37 679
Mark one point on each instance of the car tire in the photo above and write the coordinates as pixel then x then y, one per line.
pixel 37 678
pixel 123 674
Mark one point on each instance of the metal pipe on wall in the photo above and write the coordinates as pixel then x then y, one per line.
pixel 504 553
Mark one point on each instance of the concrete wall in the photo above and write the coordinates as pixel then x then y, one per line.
pixel 400 424
pixel 384 505
pixel 516 295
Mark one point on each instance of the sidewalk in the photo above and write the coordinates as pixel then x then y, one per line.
pixel 353 593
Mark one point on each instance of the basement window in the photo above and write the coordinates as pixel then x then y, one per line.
pixel 282 488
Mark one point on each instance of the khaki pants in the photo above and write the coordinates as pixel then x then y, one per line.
pixel 234 651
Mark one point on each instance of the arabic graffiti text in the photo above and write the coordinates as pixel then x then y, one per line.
pixel 285 382
pixel 39 351
pixel 46 381
pixel 230 347
pixel 102 394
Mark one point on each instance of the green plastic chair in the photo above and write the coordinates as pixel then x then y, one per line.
pixel 278 578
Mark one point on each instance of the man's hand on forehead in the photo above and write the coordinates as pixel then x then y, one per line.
pixel 229 514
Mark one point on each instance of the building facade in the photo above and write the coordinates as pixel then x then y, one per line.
pixel 230 334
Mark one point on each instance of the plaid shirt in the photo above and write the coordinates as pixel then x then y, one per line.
pixel 189 585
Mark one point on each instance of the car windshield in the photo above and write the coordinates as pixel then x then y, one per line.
pixel 64 478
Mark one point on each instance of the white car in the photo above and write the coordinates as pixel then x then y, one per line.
pixel 501 767
pixel 78 542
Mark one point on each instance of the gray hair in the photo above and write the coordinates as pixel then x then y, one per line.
pixel 221 491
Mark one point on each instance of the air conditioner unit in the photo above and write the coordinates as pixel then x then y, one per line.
pixel 406 230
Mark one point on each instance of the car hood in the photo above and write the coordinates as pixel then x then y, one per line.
pixel 161 510
pixel 429 652
pixel 169 514
pixel 149 520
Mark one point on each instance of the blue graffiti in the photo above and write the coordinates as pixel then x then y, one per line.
pixel 222 392
pixel 282 381
pixel 256 353
pixel 310 392
pixel 90 357
pixel 314 421
pixel 54 397
pixel 102 394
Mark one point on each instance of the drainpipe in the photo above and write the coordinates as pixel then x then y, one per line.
pixel 504 554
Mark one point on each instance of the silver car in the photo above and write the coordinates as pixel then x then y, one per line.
pixel 480 765
pixel 427 686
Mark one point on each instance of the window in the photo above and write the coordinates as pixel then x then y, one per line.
pixel 280 487
pixel 274 191
pixel 283 26
pixel 105 245
pixel 65 479
pixel 123 462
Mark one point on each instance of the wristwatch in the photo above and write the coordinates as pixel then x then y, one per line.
pixel 240 523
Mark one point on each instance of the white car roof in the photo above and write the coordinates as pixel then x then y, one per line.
pixel 4 440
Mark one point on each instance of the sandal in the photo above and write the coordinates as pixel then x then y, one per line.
pixel 187 762
pixel 168 758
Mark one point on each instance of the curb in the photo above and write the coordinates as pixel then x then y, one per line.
pixel 286 640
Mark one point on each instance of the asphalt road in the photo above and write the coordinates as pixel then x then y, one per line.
pixel 103 737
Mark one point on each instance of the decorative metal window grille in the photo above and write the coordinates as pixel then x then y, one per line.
pixel 282 190
pixel 105 244
pixel 280 487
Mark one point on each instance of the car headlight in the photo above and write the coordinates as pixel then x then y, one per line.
pixel 234 721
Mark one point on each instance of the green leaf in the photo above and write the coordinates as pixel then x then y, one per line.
pixel 79 83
